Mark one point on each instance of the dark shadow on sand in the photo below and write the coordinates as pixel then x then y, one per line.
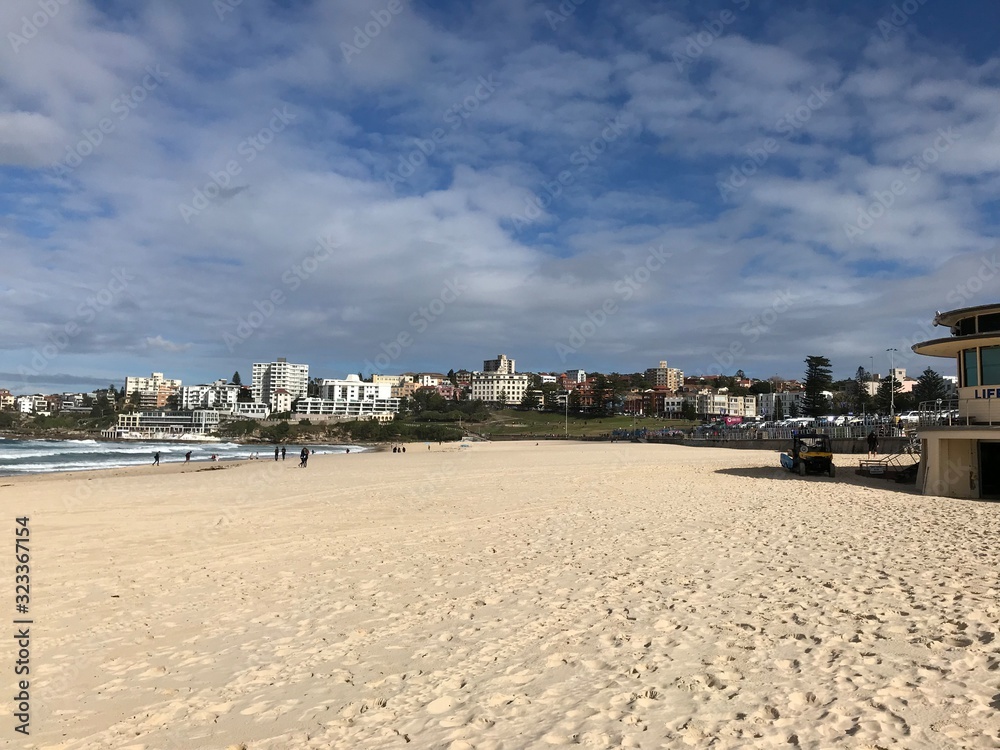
pixel 845 475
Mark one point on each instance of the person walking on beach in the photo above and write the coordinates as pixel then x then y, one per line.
pixel 282 453
pixel 304 457
pixel 276 451
pixel 156 458
pixel 872 443
pixel 187 457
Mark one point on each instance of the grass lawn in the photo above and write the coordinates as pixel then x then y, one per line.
pixel 540 424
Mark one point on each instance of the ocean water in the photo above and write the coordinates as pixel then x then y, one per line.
pixel 43 456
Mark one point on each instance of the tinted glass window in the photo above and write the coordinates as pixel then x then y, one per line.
pixel 965 327
pixel 989 323
pixel 991 365
pixel 970 370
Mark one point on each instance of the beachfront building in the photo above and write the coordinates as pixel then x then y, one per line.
pixel 34 404
pixel 576 376
pixel 501 365
pixel 153 391
pixel 6 400
pixel 268 377
pixel 665 377
pixel 791 404
pixel 219 395
pixel 500 388
pixel 351 398
pixel 251 410
pixel 146 425
pixel 963 460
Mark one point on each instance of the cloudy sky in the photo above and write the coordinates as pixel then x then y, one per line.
pixel 189 187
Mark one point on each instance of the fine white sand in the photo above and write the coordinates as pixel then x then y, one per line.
pixel 507 596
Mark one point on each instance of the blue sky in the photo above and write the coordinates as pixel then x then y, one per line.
pixel 191 187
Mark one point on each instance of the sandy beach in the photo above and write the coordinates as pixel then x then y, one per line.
pixel 505 596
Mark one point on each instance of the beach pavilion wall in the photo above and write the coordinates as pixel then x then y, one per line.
pixel 963 460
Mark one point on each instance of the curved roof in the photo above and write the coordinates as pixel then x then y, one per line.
pixel 952 317
pixel 951 346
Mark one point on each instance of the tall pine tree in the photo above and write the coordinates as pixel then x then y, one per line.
pixel 930 387
pixel 819 378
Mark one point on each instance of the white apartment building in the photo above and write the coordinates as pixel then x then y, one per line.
pixel 35 404
pixel 766 403
pixel 153 383
pixel 219 395
pixel 350 397
pixel 251 410
pixel 673 404
pixel 501 365
pixel 546 378
pixel 163 424
pixel 270 376
pixel 577 376
pixel 6 399
pixel 663 376
pixel 497 388
pixel 153 391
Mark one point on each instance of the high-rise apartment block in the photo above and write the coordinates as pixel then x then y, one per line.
pixel 666 377
pixel 268 377
pixel 501 365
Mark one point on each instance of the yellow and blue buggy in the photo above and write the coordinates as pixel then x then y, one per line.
pixel 810 454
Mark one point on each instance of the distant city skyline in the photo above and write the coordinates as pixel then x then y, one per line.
pixel 192 187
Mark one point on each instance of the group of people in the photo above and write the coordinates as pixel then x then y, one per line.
pixel 278 451
pixel 399 449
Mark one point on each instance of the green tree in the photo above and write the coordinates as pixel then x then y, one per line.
pixel 861 399
pixel 819 378
pixel 779 410
pixel 453 379
pixel 102 407
pixel 687 410
pixel 236 378
pixel 930 387
pixel 888 394
pixel 530 400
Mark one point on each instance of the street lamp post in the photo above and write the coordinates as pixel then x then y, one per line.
pixel 892 387
pixel 871 379
pixel 567 414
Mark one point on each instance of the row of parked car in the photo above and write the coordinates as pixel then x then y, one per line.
pixel 847 420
